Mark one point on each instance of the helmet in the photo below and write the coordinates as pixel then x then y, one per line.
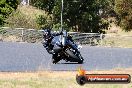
pixel 46 33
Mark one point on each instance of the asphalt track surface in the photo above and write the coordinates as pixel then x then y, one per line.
pixel 33 57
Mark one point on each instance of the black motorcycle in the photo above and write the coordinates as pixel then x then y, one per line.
pixel 64 48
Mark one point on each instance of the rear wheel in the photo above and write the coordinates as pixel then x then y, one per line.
pixel 55 58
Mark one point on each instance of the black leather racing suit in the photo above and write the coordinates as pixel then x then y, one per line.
pixel 47 42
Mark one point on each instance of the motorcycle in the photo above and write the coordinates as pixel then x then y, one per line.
pixel 64 48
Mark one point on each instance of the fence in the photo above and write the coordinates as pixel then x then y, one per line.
pixel 21 35
pixel 92 39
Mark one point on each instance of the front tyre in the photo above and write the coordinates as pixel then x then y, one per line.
pixel 80 59
pixel 76 56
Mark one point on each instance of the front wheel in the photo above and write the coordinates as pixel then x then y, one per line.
pixel 76 56
pixel 80 60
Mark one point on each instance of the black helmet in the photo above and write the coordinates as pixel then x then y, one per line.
pixel 47 33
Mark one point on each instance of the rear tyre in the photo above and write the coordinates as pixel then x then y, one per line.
pixel 55 59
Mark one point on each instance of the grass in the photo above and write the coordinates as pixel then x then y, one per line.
pixel 125 42
pixel 54 79
pixel 119 39
pixel 31 11
pixel 26 17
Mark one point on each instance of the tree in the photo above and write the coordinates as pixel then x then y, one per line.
pixel 79 15
pixel 46 5
pixel 124 10
pixel 6 8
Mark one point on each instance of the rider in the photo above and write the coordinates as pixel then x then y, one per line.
pixel 48 36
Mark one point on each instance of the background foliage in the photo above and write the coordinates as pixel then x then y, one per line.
pixel 123 9
pixel 78 15
pixel 6 8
